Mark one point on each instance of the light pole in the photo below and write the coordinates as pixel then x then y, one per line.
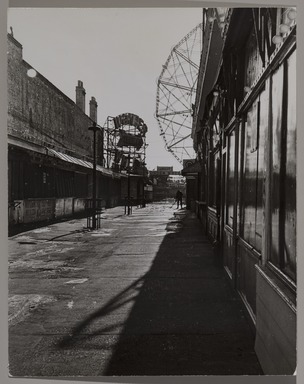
pixel 129 183
pixel 94 128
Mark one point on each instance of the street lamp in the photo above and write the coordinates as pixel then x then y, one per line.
pixel 129 183
pixel 94 128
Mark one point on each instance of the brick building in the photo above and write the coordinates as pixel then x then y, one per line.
pixel 50 148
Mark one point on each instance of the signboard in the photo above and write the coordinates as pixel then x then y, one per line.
pixel 131 120
pixel 127 139
pixel 188 162
pixel 165 169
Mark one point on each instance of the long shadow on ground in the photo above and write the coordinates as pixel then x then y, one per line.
pixel 186 319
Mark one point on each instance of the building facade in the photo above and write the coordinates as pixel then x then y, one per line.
pixel 50 149
pixel 244 134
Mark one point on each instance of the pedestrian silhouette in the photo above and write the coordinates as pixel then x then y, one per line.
pixel 179 199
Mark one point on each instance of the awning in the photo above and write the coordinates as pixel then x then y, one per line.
pixel 70 159
pixel 209 69
pixel 83 163
pixel 24 144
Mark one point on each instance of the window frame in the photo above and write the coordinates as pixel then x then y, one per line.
pixel 278 270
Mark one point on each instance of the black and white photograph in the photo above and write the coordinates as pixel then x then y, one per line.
pixel 152 191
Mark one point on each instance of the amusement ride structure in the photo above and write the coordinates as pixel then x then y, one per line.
pixel 125 144
pixel 176 89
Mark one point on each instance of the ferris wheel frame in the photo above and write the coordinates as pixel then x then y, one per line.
pixel 176 90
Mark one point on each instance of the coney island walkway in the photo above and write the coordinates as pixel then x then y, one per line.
pixel 142 295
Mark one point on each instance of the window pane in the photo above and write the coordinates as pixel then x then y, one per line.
pixel 250 177
pixel 263 125
pixel 217 186
pixel 290 182
pixel 230 179
pixel 277 103
pixel 211 199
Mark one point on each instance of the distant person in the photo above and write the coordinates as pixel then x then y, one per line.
pixel 179 199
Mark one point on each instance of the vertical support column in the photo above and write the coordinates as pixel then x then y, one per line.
pixel 94 181
pixel 129 183
pixel 94 128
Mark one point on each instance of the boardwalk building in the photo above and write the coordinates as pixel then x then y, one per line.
pixel 244 134
pixel 50 149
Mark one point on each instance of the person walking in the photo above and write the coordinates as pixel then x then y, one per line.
pixel 179 199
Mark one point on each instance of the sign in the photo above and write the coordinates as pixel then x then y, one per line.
pixel 131 120
pixel 129 140
pixel 188 162
pixel 165 169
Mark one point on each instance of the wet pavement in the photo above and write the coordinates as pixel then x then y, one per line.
pixel 142 295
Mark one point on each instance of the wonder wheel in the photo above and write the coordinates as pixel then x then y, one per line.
pixel 176 89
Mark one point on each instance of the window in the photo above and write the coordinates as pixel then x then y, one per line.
pixel 64 183
pixel 249 191
pixel 263 117
pixel 253 60
pixel 230 179
pixel 290 173
pixel 283 183
pixel 253 178
pixel 214 180
pixel 81 184
pixel 217 186
pixel 211 189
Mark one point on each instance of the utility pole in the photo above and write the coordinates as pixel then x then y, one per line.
pixel 94 128
pixel 129 182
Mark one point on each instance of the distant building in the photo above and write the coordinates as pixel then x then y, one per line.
pixel 163 172
pixel 166 181
pixel 176 180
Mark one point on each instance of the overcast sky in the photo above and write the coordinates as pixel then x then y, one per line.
pixel 118 53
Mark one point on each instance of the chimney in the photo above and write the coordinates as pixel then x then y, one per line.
pixel 93 109
pixel 80 96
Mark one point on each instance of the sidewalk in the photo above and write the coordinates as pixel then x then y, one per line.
pixel 140 296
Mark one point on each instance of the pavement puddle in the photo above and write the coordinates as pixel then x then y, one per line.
pixel 51 249
pixel 42 251
pixel 77 281
pixel 20 306
pixel 158 234
pixel 36 264
pixel 49 266
pixel 25 239
pixel 63 250
pixel 103 232
pixel 174 226
pixel 41 230
pixel 161 234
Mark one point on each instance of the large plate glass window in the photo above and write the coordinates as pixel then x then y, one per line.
pixel 230 179
pixel 283 182
pixel 253 176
